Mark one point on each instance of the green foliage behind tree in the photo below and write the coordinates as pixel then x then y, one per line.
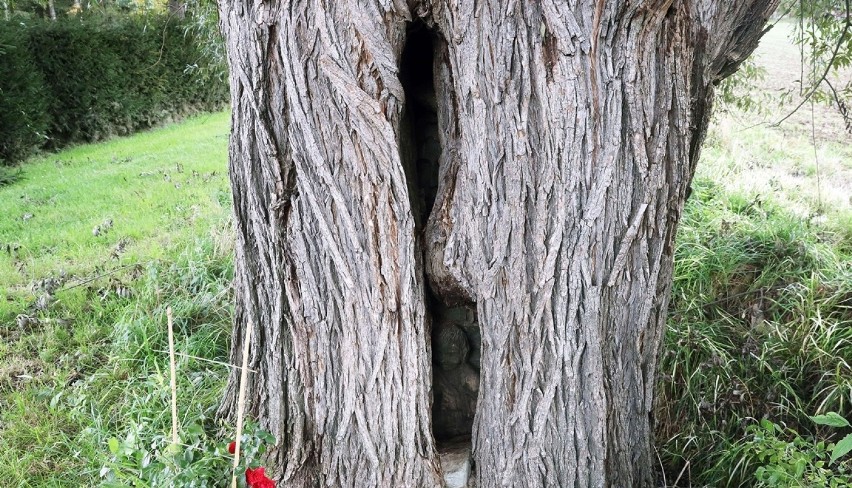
pixel 89 79
pixel 23 107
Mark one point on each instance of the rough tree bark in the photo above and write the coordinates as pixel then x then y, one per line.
pixel 569 136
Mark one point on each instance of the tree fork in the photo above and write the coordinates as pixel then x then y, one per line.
pixel 569 133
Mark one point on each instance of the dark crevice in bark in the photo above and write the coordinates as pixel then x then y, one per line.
pixel 455 331
pixel 420 146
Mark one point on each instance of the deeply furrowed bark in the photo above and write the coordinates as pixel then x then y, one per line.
pixel 326 267
pixel 569 133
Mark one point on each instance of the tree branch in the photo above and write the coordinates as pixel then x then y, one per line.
pixel 847 25
pixel 742 24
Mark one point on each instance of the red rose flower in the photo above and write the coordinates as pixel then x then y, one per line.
pixel 256 478
pixel 232 447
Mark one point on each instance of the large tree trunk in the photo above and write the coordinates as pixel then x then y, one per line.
pixel 569 134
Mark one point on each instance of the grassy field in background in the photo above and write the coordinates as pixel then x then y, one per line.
pixel 156 188
pixel 97 240
pixel 82 321
pixel 805 164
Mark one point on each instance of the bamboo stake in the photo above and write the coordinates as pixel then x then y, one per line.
pixel 172 375
pixel 241 403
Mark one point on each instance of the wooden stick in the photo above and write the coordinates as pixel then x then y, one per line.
pixel 241 403
pixel 172 375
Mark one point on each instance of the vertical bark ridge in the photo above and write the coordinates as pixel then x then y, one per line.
pixel 578 132
pixel 325 227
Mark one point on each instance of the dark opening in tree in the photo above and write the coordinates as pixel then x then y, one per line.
pixel 455 332
pixel 420 144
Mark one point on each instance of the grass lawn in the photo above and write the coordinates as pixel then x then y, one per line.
pixel 158 189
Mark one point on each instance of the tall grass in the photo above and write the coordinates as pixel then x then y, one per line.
pixel 116 382
pixel 760 328
pixel 82 316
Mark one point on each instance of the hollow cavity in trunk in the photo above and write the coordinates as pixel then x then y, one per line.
pixel 455 331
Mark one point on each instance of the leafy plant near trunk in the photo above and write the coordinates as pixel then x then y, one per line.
pixel 199 461
pixel 844 445
pixel 772 455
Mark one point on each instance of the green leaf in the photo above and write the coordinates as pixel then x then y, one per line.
pixel 831 419
pixel 194 430
pixel 842 448
pixel 188 457
pixel 173 450
pixel 801 464
pixel 113 445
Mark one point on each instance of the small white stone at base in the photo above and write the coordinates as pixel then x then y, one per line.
pixel 456 466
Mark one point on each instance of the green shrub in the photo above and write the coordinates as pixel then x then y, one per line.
pixel 88 79
pixel 23 106
pixel 773 456
pixel 198 460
